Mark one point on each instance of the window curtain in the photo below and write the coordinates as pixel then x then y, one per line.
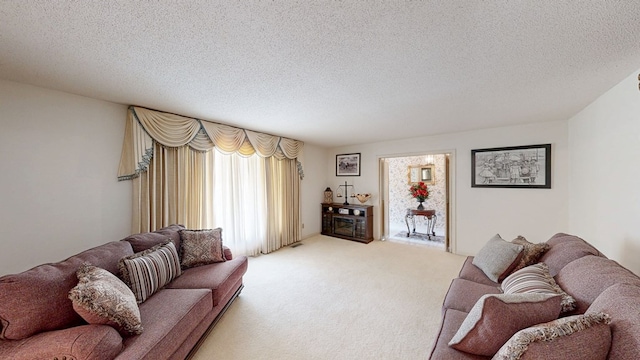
pixel 175 189
pixel 240 201
pixel 204 175
pixel 282 189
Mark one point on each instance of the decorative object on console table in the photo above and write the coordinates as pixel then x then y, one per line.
pixel 348 164
pixel 512 167
pixel 363 198
pixel 420 192
pixel 328 196
pixel 345 187
pixel 351 222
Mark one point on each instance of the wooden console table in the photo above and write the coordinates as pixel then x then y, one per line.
pixel 352 222
pixel 430 215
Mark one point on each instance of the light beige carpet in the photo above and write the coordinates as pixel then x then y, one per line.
pixel 336 299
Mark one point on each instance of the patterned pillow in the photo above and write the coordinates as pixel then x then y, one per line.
pixel 536 279
pixel 148 271
pixel 101 298
pixel 201 247
pixel 496 317
pixel 531 252
pixel 585 337
pixel 497 258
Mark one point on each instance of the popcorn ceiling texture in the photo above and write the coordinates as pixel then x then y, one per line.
pixel 329 72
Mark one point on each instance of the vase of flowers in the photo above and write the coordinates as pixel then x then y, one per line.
pixel 420 192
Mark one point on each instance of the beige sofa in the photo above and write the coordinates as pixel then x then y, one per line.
pixel 598 285
pixel 37 320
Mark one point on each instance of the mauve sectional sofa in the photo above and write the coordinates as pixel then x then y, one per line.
pixel 598 285
pixel 37 320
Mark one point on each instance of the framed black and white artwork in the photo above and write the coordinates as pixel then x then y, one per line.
pixel 512 167
pixel 348 164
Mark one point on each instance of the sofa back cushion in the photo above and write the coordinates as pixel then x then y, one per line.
pixel 173 232
pixel 563 249
pixel 586 278
pixel 143 241
pixel 620 301
pixel 37 300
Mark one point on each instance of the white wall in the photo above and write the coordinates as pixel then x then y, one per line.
pixel 479 213
pixel 604 176
pixel 312 188
pixel 59 156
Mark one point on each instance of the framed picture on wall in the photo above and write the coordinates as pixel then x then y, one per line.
pixel 512 167
pixel 348 164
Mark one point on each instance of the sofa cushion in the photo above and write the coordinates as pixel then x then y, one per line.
pixel 564 249
pixel 169 317
pixel 173 232
pixel 148 271
pixel 473 273
pixel 621 301
pixel 495 318
pixel 536 279
pixel 86 342
pixel 201 247
pixel 37 300
pixel 498 257
pixel 531 253
pixel 220 277
pixel 451 321
pixel 589 276
pixel 584 337
pixel 101 298
pixel 143 241
pixel 463 294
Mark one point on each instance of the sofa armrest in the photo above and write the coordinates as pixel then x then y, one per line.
pixel 86 342
pixel 227 253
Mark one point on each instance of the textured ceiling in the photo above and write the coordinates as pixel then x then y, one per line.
pixel 329 72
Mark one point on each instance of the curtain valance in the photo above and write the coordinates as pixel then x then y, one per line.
pixel 144 126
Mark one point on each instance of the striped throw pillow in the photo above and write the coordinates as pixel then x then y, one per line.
pixel 148 271
pixel 536 279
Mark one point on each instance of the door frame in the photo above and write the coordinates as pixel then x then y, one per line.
pixel 450 173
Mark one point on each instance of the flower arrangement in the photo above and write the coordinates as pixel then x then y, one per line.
pixel 419 191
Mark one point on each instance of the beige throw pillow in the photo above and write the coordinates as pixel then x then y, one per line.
pixel 101 298
pixel 584 337
pixel 497 258
pixel 496 317
pixel 148 271
pixel 201 247
pixel 536 279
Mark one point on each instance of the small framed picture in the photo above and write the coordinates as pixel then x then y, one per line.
pixel 512 167
pixel 348 164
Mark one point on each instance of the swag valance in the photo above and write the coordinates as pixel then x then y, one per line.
pixel 144 126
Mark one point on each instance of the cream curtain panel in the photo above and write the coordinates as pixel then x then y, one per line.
pixel 252 192
pixel 175 189
pixel 144 126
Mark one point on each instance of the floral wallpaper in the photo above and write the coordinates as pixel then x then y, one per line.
pixel 400 199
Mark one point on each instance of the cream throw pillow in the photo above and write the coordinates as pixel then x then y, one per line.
pixel 101 298
pixel 536 279
pixel 497 258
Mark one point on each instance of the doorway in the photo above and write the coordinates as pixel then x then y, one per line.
pixel 397 173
